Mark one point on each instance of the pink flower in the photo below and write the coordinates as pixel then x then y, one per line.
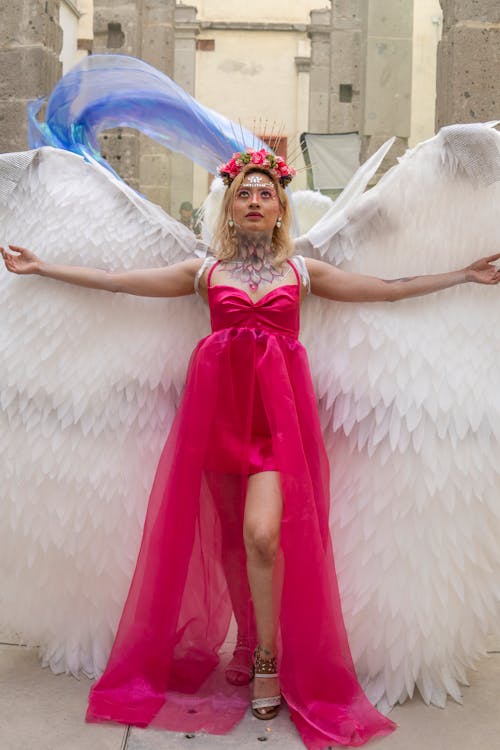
pixel 257 157
pixel 284 170
pixel 232 167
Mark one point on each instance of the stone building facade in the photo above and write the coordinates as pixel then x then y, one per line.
pixel 335 87
pixel 144 30
pixel 252 64
pixel 350 65
pixel 468 81
pixel 30 46
pixel 373 70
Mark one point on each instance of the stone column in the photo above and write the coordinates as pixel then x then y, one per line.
pixel 144 29
pixel 387 75
pixel 157 49
pixel 468 72
pixel 345 64
pixel 182 168
pixel 30 43
pixel 319 79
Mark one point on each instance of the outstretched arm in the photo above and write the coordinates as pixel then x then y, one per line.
pixel 170 281
pixel 333 283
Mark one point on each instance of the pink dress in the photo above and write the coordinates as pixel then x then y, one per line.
pixel 248 406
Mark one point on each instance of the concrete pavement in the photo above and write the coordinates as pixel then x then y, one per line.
pixel 42 711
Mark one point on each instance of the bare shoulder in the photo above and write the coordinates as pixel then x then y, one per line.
pixel 191 266
pixel 316 268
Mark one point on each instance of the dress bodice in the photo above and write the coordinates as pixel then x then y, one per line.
pixel 278 311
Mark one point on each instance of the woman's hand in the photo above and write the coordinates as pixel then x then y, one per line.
pixel 23 262
pixel 484 271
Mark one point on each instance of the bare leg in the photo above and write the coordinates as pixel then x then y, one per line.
pixel 261 532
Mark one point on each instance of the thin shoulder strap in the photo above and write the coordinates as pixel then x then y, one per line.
pixel 210 263
pixel 300 264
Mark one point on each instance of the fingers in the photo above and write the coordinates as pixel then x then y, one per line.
pixel 491 258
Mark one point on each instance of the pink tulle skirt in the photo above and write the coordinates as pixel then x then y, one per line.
pixel 248 406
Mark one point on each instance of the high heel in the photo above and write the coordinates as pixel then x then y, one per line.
pixel 265 668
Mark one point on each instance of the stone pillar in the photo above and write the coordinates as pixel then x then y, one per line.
pixel 303 68
pixel 319 80
pixel 144 29
pixel 468 78
pixel 157 49
pixel 345 64
pixel 30 43
pixel 182 168
pixel 386 76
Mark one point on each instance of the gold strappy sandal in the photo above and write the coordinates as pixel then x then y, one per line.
pixel 265 668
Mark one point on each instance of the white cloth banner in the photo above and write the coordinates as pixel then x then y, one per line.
pixel 333 157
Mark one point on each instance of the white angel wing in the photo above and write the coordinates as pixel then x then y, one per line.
pixel 89 384
pixel 410 404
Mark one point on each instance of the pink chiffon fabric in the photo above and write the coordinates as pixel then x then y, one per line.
pixel 248 406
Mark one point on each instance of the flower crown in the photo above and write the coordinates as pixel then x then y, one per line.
pixel 276 165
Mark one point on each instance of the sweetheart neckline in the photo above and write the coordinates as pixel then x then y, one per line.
pixel 253 302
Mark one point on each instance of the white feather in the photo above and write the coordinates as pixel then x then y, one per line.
pixel 89 385
pixel 415 470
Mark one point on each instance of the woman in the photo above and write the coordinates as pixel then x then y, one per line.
pixel 238 514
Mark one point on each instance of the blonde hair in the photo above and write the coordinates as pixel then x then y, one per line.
pixel 225 239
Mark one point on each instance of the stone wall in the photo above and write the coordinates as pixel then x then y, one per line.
pixel 345 65
pixel 361 72
pixel 144 29
pixel 319 75
pixel 181 168
pixel 386 51
pixel 335 68
pixel 468 77
pixel 30 43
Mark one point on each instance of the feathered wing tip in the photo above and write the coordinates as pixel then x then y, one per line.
pixel 89 383
pixel 309 206
pixel 210 209
pixel 107 91
pixel 409 401
pixel 316 240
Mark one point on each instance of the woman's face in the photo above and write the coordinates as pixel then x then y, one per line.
pixel 256 205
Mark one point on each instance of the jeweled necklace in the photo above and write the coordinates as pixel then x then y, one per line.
pixel 254 266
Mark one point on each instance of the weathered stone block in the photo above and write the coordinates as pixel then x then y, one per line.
pixel 155 168
pixel 468 87
pixel 25 23
pixel 457 11
pixel 345 14
pixel 13 126
pixel 387 107
pixel 391 18
pixel 28 72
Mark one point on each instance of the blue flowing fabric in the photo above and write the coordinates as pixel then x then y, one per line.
pixel 109 91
